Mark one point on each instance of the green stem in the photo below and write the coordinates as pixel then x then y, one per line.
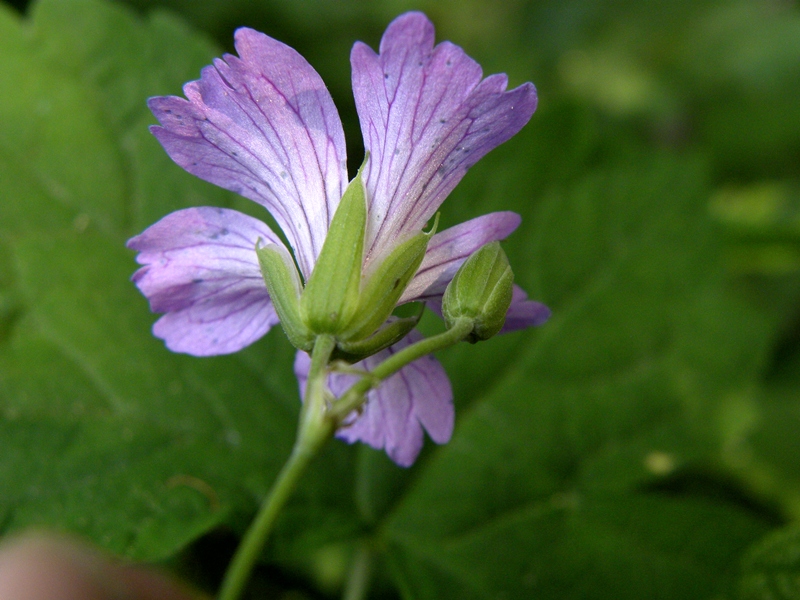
pixel 317 425
pixel 358 580
pixel 354 397
pixel 314 430
pixel 313 412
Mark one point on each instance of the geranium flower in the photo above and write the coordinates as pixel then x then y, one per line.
pixel 264 126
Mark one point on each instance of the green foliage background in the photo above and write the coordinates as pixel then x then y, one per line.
pixel 643 444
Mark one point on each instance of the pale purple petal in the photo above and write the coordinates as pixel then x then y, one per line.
pixel 265 127
pixel 201 269
pixel 416 397
pixel 524 313
pixel 426 117
pixel 448 250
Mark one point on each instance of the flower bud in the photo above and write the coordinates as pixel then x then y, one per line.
pixel 480 291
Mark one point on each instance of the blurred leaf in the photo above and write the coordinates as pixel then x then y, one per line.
pixel 768 454
pixel 46 119
pixel 762 222
pixel 104 431
pixel 108 434
pixel 771 570
pixel 122 61
pixel 546 489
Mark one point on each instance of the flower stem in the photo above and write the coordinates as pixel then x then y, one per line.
pixel 314 430
pixel 250 549
pixel 358 579
pixel 460 330
pixel 354 397
pixel 317 425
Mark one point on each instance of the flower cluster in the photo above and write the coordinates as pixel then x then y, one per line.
pixel 263 125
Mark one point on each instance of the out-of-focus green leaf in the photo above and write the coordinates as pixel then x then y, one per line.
pixel 104 431
pixel 771 570
pixel 762 222
pixel 48 120
pixel 551 486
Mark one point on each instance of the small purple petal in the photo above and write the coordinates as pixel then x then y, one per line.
pixel 426 117
pixel 201 268
pixel 416 397
pixel 265 127
pixel 524 313
pixel 448 250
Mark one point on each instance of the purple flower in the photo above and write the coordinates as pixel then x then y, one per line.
pixel 264 126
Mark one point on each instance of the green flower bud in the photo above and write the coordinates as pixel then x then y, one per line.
pixel 481 291
pixel 283 283
pixel 330 299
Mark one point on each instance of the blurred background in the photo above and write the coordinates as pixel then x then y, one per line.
pixel 643 444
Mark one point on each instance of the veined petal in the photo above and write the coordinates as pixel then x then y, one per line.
pixel 264 126
pixel 448 250
pixel 426 117
pixel 201 269
pixel 524 313
pixel 418 396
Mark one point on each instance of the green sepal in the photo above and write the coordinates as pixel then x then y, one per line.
pixel 284 286
pixel 331 295
pixel 386 284
pixel 481 291
pixel 389 334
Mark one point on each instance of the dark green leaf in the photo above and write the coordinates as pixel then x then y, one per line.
pixel 771 570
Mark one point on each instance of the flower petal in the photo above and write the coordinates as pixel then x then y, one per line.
pixel 448 250
pixel 265 127
pixel 426 117
pixel 201 269
pixel 418 396
pixel 524 313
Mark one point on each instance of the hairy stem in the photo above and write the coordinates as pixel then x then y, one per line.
pixel 314 430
